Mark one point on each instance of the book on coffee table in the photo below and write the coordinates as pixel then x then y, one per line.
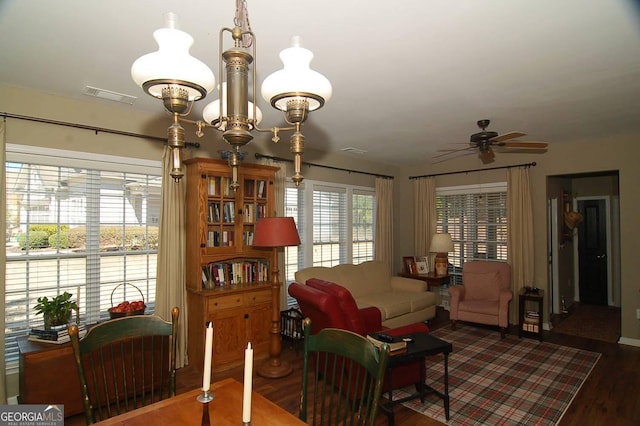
pixel 395 345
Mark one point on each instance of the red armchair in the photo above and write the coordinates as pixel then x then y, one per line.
pixel 330 305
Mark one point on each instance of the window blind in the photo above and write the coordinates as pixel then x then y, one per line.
pixel 82 227
pixel 335 223
pixel 476 219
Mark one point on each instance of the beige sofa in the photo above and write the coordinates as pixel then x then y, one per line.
pixel 401 301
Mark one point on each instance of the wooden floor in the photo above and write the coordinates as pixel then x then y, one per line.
pixel 610 396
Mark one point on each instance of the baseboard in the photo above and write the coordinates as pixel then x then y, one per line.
pixel 12 400
pixel 629 341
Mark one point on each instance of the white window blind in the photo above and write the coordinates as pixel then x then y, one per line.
pixel 476 218
pixel 363 225
pixel 335 222
pixel 329 226
pixel 76 223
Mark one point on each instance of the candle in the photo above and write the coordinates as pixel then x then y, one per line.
pixel 208 347
pixel 248 371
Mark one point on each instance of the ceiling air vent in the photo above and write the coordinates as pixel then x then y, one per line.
pixel 109 95
pixel 353 150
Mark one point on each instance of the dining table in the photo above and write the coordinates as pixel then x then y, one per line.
pixel 224 409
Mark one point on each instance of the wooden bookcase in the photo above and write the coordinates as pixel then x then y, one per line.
pixel 227 279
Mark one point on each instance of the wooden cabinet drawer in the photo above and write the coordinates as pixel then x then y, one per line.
pixel 257 297
pixel 224 302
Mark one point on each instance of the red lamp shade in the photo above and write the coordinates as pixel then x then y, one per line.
pixel 275 232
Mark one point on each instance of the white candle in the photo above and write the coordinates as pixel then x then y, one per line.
pixel 208 347
pixel 248 377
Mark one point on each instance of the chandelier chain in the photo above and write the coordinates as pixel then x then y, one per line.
pixel 242 20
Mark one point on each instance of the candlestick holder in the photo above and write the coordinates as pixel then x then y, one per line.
pixel 246 423
pixel 205 397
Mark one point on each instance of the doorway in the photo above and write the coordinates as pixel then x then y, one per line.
pixel 582 260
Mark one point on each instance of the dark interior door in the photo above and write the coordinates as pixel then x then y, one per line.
pixel 592 252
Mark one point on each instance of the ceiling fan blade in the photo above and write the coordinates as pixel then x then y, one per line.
pixel 507 136
pixel 456 154
pixel 452 151
pixel 524 144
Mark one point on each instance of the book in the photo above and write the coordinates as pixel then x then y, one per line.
pixel 58 335
pixel 396 345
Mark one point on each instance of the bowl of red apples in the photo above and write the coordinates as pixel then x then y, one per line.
pixel 127 308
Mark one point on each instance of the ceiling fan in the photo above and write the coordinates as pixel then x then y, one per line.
pixel 485 140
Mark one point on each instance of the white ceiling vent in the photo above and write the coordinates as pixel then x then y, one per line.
pixel 353 150
pixel 109 95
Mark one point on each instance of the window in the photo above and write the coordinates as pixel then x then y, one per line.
pixel 77 223
pixel 476 218
pixel 335 223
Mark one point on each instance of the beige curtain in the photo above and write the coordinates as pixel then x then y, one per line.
pixel 279 211
pixel 383 249
pixel 424 216
pixel 520 232
pixel 3 258
pixel 170 282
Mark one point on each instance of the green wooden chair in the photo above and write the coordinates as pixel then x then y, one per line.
pixel 342 378
pixel 125 363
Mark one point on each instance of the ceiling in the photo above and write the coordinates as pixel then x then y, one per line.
pixel 409 77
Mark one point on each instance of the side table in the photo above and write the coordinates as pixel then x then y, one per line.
pixel 421 346
pixel 430 278
pixel 530 321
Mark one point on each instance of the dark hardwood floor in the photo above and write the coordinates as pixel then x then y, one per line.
pixel 610 396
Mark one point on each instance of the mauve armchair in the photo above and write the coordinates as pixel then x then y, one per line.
pixel 484 295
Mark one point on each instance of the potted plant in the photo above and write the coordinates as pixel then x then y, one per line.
pixel 56 311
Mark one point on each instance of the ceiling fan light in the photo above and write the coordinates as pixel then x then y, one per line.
pixel 296 79
pixel 172 64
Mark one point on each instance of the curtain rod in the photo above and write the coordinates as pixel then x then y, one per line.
pixel 258 155
pixel 92 128
pixel 475 170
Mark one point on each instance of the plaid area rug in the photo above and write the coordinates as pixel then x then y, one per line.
pixel 510 381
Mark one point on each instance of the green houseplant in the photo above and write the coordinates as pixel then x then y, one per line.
pixel 56 311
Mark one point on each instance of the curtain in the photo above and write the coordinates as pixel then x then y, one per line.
pixel 424 217
pixel 170 282
pixel 279 185
pixel 520 231
pixel 383 240
pixel 3 258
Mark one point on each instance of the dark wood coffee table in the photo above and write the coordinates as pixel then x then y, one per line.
pixel 421 346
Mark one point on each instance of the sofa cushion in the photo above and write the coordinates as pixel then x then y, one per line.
pixel 481 286
pixel 353 277
pixel 390 304
pixel 322 272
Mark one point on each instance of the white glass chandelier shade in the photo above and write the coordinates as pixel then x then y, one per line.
pixel 212 114
pixel 172 64
pixel 296 79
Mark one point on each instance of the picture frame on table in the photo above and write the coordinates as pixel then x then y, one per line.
pixel 409 263
pixel 422 265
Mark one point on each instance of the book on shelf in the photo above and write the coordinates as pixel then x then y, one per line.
pixel 246 271
pixel 57 334
pixel 395 345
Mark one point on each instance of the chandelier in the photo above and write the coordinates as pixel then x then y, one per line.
pixel 173 75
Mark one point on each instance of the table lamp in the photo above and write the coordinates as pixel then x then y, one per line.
pixel 441 244
pixel 275 232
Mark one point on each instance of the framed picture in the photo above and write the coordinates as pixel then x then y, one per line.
pixel 409 263
pixel 422 264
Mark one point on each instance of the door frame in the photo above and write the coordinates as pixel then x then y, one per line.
pixel 552 253
pixel 576 262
